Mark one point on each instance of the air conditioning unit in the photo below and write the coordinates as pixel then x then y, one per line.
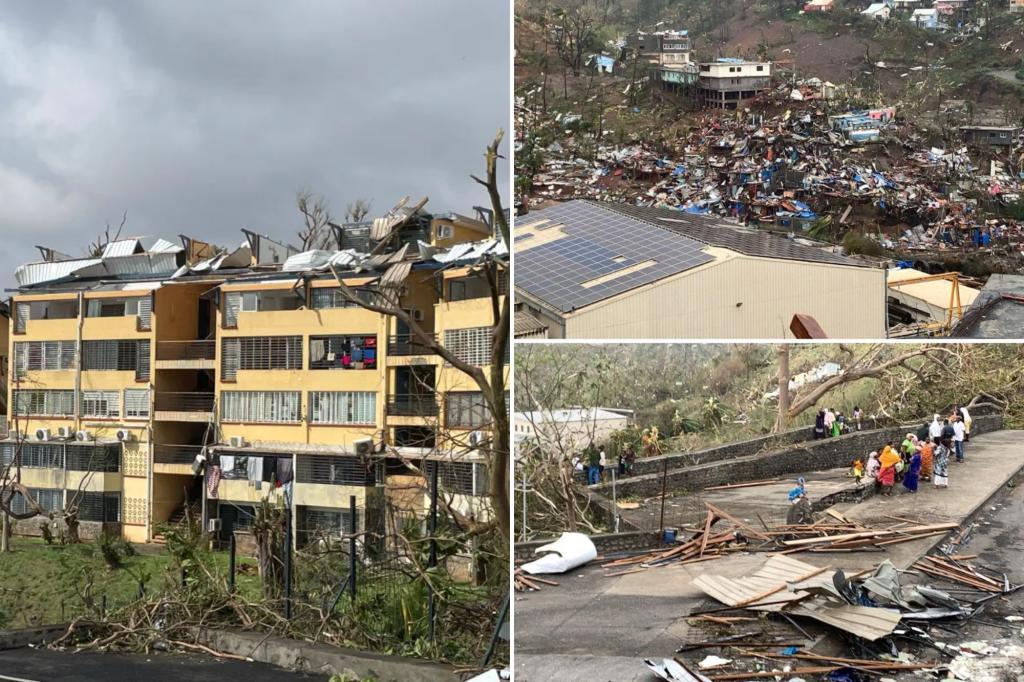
pixel 125 436
pixel 237 441
pixel 416 314
pixel 42 434
pixel 364 446
pixel 65 432
pixel 213 525
pixel 83 436
pixel 476 438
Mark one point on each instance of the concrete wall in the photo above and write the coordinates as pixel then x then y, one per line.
pixel 810 456
pixel 606 543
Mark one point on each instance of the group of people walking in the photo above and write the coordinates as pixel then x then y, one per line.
pixel 593 463
pixel 922 456
pixel 830 423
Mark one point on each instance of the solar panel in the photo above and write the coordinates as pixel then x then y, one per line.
pixel 716 232
pixel 599 242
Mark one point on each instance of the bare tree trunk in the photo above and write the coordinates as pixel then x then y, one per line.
pixel 782 420
pixel 5 533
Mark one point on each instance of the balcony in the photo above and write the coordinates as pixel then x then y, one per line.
pixel 411 408
pixel 186 354
pixel 184 407
pixel 408 346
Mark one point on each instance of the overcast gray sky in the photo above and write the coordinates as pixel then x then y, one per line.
pixel 202 117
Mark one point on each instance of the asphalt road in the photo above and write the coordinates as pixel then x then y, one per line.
pixel 41 665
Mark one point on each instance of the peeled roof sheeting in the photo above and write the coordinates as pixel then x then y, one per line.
pixel 123 247
pixel 164 246
pixel 35 273
pixel 472 251
pixel 318 260
pixel 597 241
pixel 717 232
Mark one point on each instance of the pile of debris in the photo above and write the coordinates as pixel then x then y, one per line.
pixel 798 171
pixel 876 608
pixel 836 533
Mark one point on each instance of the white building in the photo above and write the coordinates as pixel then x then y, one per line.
pixel 570 430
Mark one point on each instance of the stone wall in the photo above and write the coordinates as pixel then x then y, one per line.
pixel 606 543
pixel 814 455
pixel 87 530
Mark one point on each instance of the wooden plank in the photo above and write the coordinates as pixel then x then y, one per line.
pixel 782 586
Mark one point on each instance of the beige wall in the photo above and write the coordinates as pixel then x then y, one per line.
pixel 703 303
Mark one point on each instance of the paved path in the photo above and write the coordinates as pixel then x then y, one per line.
pixel 597 628
pixel 42 665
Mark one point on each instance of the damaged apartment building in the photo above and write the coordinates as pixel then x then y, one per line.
pixel 134 370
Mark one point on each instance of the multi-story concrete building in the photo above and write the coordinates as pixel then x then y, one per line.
pixel 731 83
pixel 661 48
pixel 135 370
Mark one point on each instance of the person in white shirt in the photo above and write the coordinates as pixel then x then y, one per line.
pixel 935 430
pixel 603 463
pixel 967 423
pixel 958 439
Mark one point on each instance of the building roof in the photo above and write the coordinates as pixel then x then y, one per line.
pixel 573 414
pixel 936 292
pixel 579 252
pixel 992 315
pixel 526 324
pixel 715 231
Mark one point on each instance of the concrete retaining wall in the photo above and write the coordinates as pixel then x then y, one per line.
pixel 606 543
pixel 323 659
pixel 812 455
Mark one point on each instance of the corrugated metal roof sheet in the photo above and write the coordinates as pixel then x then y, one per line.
pixel 122 247
pixel 319 260
pixel 35 273
pixel 781 571
pixel 164 246
pixel 472 251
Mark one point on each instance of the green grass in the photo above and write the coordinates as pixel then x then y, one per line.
pixel 41 584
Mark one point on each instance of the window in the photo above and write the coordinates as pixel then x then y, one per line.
pixel 464 478
pixel 101 404
pixel 323 298
pixel 318 522
pixel 260 406
pixel 445 231
pixel 34 455
pixel 98 507
pixel 475 286
pixel 49 499
pixel 45 310
pixel 342 352
pixel 43 355
pixel 136 403
pixel 760 68
pixel 89 457
pixel 123 355
pixel 232 305
pixel 342 407
pixel 260 352
pixel 338 470
pixel 472 345
pixel 49 403
pixel 468 409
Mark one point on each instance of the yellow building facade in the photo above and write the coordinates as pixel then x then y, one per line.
pixel 269 383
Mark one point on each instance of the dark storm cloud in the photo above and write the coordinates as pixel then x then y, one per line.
pixel 204 119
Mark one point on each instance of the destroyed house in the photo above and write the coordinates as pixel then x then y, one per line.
pixel 731 83
pixel 663 48
pixel 595 270
pixel 135 369
pixel 991 136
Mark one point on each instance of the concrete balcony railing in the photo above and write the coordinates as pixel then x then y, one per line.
pixel 184 406
pixel 408 405
pixel 186 354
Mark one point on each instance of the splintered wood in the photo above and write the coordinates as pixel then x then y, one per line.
pixel 524 581
pixel 954 571
pixel 834 533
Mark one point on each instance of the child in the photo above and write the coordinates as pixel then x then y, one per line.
pixel 857 471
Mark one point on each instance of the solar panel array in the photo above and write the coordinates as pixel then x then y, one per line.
pixel 716 232
pixel 598 242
